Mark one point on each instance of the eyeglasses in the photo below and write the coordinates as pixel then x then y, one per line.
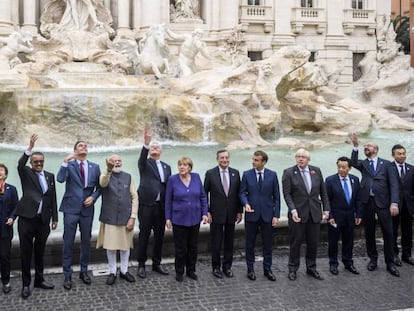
pixel 38 162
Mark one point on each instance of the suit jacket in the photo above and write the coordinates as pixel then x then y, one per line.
pixel 265 201
pixel 7 210
pixel 341 211
pixel 406 187
pixel 150 184
pixel 308 205
pixel 75 192
pixel 185 206
pixel 223 208
pixel 384 181
pixel 28 204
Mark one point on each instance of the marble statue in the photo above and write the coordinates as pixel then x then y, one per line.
pixel 185 10
pixel 10 46
pixel 191 46
pixel 63 16
pixel 154 52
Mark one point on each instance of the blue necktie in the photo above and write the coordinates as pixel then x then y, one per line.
pixel 346 191
pixel 371 165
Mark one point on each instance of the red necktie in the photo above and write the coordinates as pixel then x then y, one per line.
pixel 82 171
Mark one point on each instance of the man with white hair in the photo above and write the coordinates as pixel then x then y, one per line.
pixel 154 175
pixel 307 201
pixel 118 213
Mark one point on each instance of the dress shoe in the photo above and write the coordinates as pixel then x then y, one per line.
pixel 6 288
pixel 67 283
pixel 270 276
pixel 44 285
pixel 85 278
pixel 315 274
pixel 228 273
pixel 333 269
pixel 372 265
pixel 192 275
pixel 160 269
pixel 251 275
pixel 111 279
pixel 397 261
pixel 141 272
pixel 25 292
pixel 127 277
pixel 393 270
pixel 292 275
pixel 408 260
pixel 217 273
pixel 179 277
pixel 352 269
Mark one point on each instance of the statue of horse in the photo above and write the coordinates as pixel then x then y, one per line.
pixel 154 53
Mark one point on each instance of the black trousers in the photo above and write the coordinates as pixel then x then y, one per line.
pixel 185 241
pixel 151 217
pixel 385 221
pixel 299 232
pixel 33 235
pixel 346 232
pixel 5 247
pixel 406 221
pixel 222 235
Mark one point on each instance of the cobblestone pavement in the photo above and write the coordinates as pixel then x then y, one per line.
pixel 376 290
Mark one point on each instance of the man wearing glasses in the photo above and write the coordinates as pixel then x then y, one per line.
pixel 35 209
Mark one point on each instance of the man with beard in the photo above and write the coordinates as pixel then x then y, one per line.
pixel 118 214
pixel 379 195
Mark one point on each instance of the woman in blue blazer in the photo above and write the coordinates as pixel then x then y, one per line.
pixel 185 207
pixel 8 201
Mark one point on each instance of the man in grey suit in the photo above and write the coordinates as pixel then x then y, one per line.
pixel 379 195
pixel 222 185
pixel 81 192
pixel 307 201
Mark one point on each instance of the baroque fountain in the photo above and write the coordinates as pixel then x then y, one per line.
pixel 78 80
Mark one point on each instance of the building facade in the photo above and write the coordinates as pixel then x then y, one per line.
pixel 333 30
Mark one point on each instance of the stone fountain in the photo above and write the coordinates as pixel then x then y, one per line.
pixel 79 80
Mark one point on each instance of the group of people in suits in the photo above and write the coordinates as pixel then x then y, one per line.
pixel 182 201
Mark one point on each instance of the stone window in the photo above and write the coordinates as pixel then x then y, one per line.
pixel 253 2
pixel 255 55
pixel 312 57
pixel 307 3
pixel 356 70
pixel 358 4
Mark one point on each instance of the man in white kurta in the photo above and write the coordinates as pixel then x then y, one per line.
pixel 118 213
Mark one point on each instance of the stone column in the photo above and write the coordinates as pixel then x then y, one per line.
pixel 29 17
pixel 229 14
pixel 150 13
pixel 283 31
pixel 6 24
pixel 123 18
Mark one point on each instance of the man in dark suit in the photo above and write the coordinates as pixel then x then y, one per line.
pixel 405 217
pixel 379 196
pixel 35 209
pixel 342 189
pixel 307 201
pixel 81 192
pixel 154 175
pixel 222 185
pixel 259 194
pixel 8 203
